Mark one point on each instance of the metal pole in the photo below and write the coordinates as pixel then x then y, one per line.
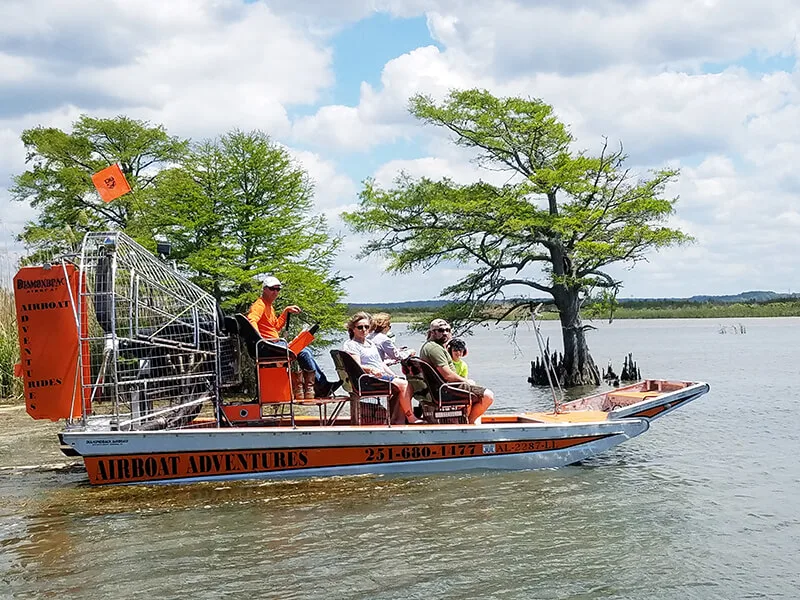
pixel 547 364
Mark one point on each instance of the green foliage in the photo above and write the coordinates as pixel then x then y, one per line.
pixel 603 305
pixel 562 217
pixel 234 208
pixel 58 181
pixel 238 208
pixel 518 134
pixel 552 228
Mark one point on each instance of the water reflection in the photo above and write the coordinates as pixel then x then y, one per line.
pixel 426 535
pixel 700 506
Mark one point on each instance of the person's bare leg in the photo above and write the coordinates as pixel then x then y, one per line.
pixel 396 414
pixel 404 395
pixel 409 406
pixel 481 406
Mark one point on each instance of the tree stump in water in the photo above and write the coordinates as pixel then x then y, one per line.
pixel 538 376
pixel 630 372
pixel 539 368
pixel 610 377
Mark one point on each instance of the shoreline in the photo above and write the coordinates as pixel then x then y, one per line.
pixel 704 312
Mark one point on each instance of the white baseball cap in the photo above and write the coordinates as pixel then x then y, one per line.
pixel 271 281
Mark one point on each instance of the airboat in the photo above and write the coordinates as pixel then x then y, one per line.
pixel 156 384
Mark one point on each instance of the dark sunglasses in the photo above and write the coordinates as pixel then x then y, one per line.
pixel 277 288
pixel 442 329
pixel 361 327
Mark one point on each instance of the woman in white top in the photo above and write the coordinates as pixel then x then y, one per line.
pixel 368 356
pixel 380 325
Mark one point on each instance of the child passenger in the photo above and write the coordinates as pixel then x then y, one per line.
pixel 458 350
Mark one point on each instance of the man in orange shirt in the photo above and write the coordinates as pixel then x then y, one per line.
pixel 262 316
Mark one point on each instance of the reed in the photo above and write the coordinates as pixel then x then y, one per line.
pixel 10 386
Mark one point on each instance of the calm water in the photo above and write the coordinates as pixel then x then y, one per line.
pixel 704 505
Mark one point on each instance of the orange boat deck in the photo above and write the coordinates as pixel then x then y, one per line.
pixel 583 416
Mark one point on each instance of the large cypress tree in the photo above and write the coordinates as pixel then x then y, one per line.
pixel 562 217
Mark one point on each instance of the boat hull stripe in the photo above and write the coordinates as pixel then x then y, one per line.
pixel 136 468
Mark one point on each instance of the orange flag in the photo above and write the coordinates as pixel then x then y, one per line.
pixel 111 183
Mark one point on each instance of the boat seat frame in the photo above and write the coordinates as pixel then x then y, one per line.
pixel 268 354
pixel 443 402
pixel 359 385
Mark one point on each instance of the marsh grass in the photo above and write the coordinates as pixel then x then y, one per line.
pixel 10 386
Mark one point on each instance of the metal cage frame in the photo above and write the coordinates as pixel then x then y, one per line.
pixel 149 339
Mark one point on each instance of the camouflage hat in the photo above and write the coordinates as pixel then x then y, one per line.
pixel 437 323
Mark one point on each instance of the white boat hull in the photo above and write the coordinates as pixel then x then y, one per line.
pixel 276 452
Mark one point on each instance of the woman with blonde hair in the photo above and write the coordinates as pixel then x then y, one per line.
pixel 379 335
pixel 367 355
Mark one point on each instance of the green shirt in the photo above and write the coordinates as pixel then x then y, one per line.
pixel 434 353
pixel 460 367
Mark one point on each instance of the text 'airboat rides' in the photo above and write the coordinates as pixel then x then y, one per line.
pixel 148 373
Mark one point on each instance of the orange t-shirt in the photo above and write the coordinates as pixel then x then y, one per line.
pixel 263 318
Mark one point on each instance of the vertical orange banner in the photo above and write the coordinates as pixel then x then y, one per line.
pixel 48 340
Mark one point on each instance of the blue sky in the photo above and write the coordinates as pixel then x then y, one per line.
pixel 362 48
pixel 709 87
pixel 754 62
pixel 360 51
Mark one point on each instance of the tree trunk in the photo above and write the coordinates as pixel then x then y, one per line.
pixel 579 367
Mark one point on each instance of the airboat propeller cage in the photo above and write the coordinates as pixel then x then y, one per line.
pixel 148 354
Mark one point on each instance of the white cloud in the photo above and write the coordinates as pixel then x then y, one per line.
pixel 382 115
pixel 371 283
pixel 436 168
pixel 331 188
pixel 632 71
pixel 509 37
pixel 197 67
pixel 342 127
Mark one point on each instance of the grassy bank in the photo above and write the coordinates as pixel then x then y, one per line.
pixel 706 310
pixel 656 310
pixel 10 386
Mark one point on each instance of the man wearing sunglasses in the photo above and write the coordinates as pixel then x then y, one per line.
pixel 269 326
pixel 434 352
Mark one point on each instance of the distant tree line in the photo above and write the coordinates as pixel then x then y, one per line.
pixel 627 309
